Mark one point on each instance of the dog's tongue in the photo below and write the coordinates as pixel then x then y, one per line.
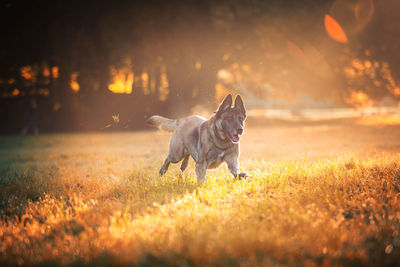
pixel 235 138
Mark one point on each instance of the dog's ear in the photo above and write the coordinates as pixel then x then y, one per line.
pixel 226 103
pixel 239 104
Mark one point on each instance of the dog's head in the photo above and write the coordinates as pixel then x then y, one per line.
pixel 231 120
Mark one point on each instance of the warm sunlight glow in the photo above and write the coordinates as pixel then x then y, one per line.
pixel 44 92
pixel 46 72
pixel 359 99
pixel 122 81
pixel 15 92
pixel 145 83
pixel 380 121
pixel 56 106
pixel 152 86
pixel 200 133
pixel 334 29
pixel 226 57
pixel 197 65
pixel 225 76
pixel 74 82
pixel 164 87
pixel 220 91
pixel 246 67
pixel 54 72
pixel 26 72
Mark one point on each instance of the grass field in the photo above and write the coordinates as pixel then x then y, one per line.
pixel 318 194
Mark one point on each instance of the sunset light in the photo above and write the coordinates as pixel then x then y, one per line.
pixel 54 72
pixel 359 99
pixel 145 83
pixel 46 71
pixel 26 72
pixel 163 87
pixel 122 81
pixel 74 82
pixel 200 133
pixel 15 92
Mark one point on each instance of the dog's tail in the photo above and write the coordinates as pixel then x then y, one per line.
pixel 162 123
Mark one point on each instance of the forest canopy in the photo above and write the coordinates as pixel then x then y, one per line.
pixel 84 61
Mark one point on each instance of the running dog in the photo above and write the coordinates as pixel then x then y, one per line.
pixel 209 142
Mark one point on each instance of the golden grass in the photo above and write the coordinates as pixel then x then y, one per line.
pixel 97 199
pixel 384 120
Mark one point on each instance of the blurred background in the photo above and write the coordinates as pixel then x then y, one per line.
pixel 108 65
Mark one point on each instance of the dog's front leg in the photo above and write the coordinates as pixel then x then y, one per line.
pixel 233 166
pixel 201 169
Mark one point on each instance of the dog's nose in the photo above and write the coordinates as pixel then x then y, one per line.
pixel 240 130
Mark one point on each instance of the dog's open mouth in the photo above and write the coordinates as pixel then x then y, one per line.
pixel 234 138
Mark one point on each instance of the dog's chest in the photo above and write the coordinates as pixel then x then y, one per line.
pixel 215 158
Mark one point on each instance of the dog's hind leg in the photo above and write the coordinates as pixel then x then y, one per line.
pixel 175 153
pixel 174 156
pixel 165 166
pixel 185 162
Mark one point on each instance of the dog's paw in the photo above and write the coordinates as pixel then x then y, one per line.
pixel 242 175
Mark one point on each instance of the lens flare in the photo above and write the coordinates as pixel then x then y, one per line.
pixel 297 52
pixel 334 30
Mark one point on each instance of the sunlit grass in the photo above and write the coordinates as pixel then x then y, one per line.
pixel 376 121
pixel 93 198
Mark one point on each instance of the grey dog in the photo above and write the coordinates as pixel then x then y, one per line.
pixel 209 142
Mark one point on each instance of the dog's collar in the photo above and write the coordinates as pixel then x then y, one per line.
pixel 217 146
pixel 214 134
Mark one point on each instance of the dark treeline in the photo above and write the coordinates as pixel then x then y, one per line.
pixel 62 56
